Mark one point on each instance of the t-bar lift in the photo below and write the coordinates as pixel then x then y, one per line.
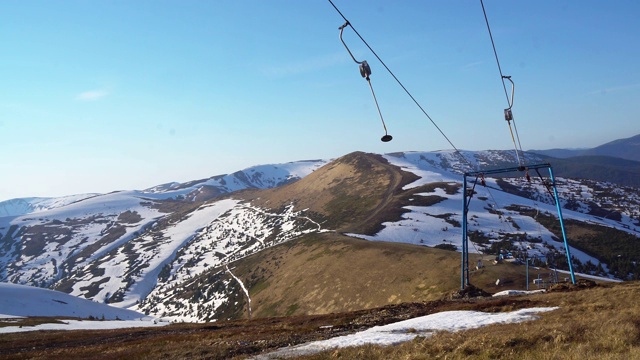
pixel 466 199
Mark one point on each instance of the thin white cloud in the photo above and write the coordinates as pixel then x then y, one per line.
pixel 616 89
pixel 305 66
pixel 91 95
pixel 472 65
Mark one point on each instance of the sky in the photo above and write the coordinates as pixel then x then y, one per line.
pixel 98 96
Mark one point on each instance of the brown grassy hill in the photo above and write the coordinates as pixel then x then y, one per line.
pixel 352 193
pixel 329 272
pixel 332 273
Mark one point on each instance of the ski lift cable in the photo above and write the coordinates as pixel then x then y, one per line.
pixel 401 85
pixel 509 116
pixel 348 23
pixel 507 112
pixel 495 53
pixel 546 185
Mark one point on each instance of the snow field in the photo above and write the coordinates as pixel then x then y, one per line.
pixel 409 329
pixel 240 231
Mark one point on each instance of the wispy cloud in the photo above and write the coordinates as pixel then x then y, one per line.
pixel 616 89
pixel 472 65
pixel 91 95
pixel 307 65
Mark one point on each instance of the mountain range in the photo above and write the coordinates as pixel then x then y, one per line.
pixel 314 236
pixel 628 149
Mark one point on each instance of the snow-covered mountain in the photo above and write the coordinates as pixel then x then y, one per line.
pixel 169 251
pixel 16 207
pixel 112 247
pixel 620 148
pixel 255 177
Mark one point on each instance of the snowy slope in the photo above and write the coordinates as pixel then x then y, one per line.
pixel 52 243
pixel 20 300
pixel 440 223
pixel 134 276
pixel 259 177
pixel 240 231
pixel 22 206
pixel 255 177
pixel 58 236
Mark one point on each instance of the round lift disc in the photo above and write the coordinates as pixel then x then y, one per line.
pixel 386 138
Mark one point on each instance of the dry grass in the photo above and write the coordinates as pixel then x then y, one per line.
pixel 599 323
pixel 329 272
pixel 352 194
pixel 596 323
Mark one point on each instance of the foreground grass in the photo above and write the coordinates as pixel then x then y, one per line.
pixel 599 323
pixel 596 323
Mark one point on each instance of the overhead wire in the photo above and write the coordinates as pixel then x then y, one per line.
pixel 518 147
pixel 347 22
pixel 402 86
pixel 508 113
pixel 504 86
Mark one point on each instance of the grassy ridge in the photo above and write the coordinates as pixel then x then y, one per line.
pixel 329 272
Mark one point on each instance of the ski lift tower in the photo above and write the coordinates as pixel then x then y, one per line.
pixel 467 195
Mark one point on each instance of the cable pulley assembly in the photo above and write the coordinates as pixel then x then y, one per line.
pixel 508 115
pixel 365 72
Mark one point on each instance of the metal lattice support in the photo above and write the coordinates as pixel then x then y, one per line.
pixel 465 209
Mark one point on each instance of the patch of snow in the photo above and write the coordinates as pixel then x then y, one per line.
pixel 21 300
pixel 517 292
pixel 408 329
pixel 154 253
pixel 592 277
pixel 84 325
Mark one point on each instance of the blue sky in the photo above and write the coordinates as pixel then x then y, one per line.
pixel 97 96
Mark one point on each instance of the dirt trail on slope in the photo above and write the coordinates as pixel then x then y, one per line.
pixel 396 181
